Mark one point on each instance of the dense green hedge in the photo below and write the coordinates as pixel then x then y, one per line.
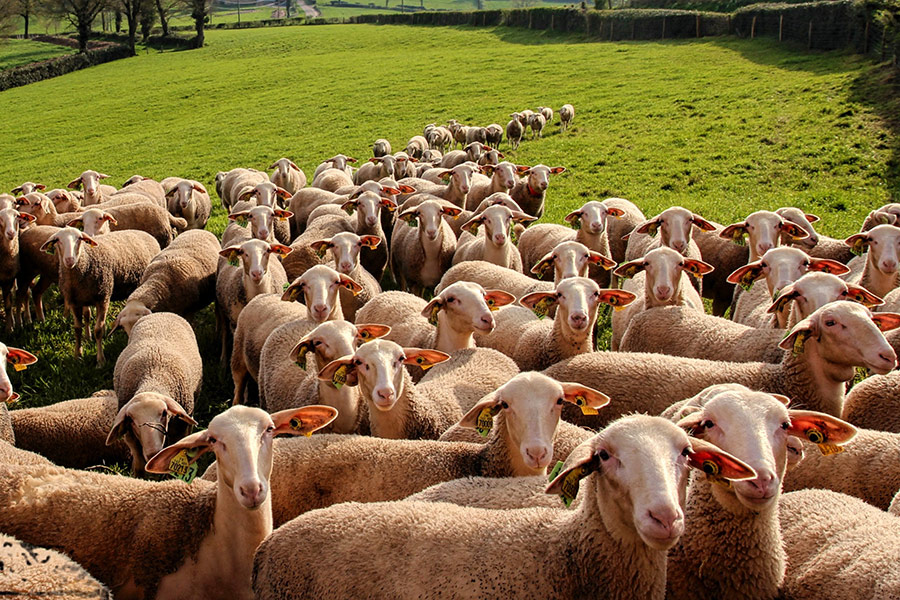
pixel 39 71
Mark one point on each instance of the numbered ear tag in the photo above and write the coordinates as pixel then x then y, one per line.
pixel 821 440
pixel 301 356
pixel 738 237
pixel 861 373
pixel 712 474
pixel 433 319
pixel 321 250
pixel 801 338
pixel 233 259
pixel 423 362
pixel 19 366
pixel 576 224
pixel 363 337
pixel 652 229
pixel 492 304
pixel 297 425
pixel 340 377
pixel 581 402
pixel 542 307
pixel 858 247
pixel 485 421
pixel 747 280
pixel 51 249
pixel 569 488
pixel 412 222
pixel 181 466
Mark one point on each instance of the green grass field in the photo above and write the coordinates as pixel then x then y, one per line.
pixel 722 126
pixel 15 52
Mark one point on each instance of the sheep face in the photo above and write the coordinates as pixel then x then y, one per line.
pixel 182 194
pixel 11 220
pixel 94 221
pixel 282 175
pixel 254 256
pixel 90 181
pixel 261 219
pixel 539 176
pixel 129 315
pixel 764 230
pixel 266 194
pixel 571 259
pixel 64 201
pixel 466 307
pixel 664 268
pixel 318 287
pixel 67 244
pixel 143 421
pixel 814 290
pixel 593 217
pixel 369 205
pixel 783 266
pixel 802 220
pixel 35 204
pixel 242 438
pixel 19 359
pixel 674 225
pixel 578 299
pixel 883 245
pixel 345 247
pixel 505 174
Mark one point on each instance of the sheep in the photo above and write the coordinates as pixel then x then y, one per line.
pixel 288 176
pixel 590 224
pixel 884 215
pixel 339 162
pixel 43 210
pixel 204 552
pixel 566 116
pixel 476 134
pixel 423 244
pixel 493 493
pixel 495 246
pixel 319 288
pixel 515 131
pixel 64 200
pixel 72 433
pixel 438 138
pixel 375 168
pixel 502 179
pixel 780 266
pixel 657 279
pixel 546 112
pixel 460 180
pixel 879 273
pixel 871 403
pixel 94 191
pixel 345 248
pixel 381 147
pixel 405 165
pixel 189 200
pixel 289 378
pixel 28 187
pixel 34 572
pixel 674 225
pixel 625 562
pixel 430 158
pixel 264 194
pixel 20 359
pixel 494 135
pixel 537 123
pixel 817 246
pixel 446 323
pixel 143 216
pixel 368 222
pixel 325 226
pixel 93 272
pixel 470 153
pixel 814 290
pixel 8 201
pixel 10 222
pixel 491 276
pixel 416 146
pixel 151 190
pixel 825 348
pixel 236 287
pixel 531 192
pixel 491 157
pixel 231 184
pixel 536 344
pixel 180 279
pixel 837 546
pixel 710 560
pixel 458 131
pixel 33 263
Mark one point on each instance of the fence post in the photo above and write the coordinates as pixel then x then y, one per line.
pixel 664 29
pixel 809 42
pixel 781 27
pixel 753 28
pixel 698 25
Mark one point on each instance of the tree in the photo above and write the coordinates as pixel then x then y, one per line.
pixel 147 18
pixel 26 9
pixel 164 9
pixel 7 17
pixel 200 10
pixel 131 9
pixel 80 13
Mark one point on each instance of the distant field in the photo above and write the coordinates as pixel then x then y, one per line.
pixel 721 126
pixel 14 53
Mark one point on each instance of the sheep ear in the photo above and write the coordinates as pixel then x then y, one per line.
pixel 858 243
pixel 782 398
pixel 25 218
pixel 294 292
pixel 522 169
pixel 88 240
pixel 497 298
pixel 487 169
pixel 481 416
pixel 15 190
pixel 886 320
pixel 697 268
pixel 618 299
pixel 574 218
pixel 350 206
pixel 445 174
pixel 746 275
pixel 370 241
pixel 194 446
pixel 827 265
pixel 406 189
pixel 649 227
pixel 103 176
pixel 119 426
pixel 823 430
pixel 283 215
pixel 50 246
pixel 557 170
pixel 735 233
pixel 299 352
pixel 702 223
pixel 588 399
pixel 178 411
pixel 367 333
pixel 432 309
pixel 598 259
pixel 76 223
pixel 520 217
pixel 630 269
pixel 321 247
pixel 280 250
pixel 410 217
pixel 375 159
pixel 472 225
pixel 581 462
pixel 424 358
pixel 389 204
pixel 788 293
pixel 239 217
pixel 340 372
pixel 691 423
pixel 863 296
pixel 715 462
pixel 539 303
pixel 797 337
pixel 350 284
pixel 389 191
pixel 282 193
pixel 74 184
pixel 615 212
pixel 247 195
pixel 545 264
pixel 451 211
pixel 811 218
pixel 108 217
pixel 794 230
pixel 303 421
pixel 196 185
pixel 20 358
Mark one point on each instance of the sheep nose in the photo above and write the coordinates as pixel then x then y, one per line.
pixel 384 398
pixel 678 246
pixel 5 390
pixel 346 267
pixel 596 227
pixel 69 261
pixel 579 320
pixel 252 493
pixel 666 519
pixel 256 275
pixel 11 234
pixel 320 308
pixel 543 185
pixel 763 247
pixel 487 322
pixel 431 233
pixel 263 233
pixel 889 266
pixel 499 239
pixel 663 291
pixel 890 357
pixel 537 454
pixel 370 221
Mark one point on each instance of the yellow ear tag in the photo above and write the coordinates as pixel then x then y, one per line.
pixel 181 467
pixel 423 362
pixel 581 401
pixel 485 421
pixel 738 237
pixel 363 337
pixel 801 338
pixel 340 377
pixel 492 304
pixel 321 250
pixel 576 224
pixel 858 247
pixel 19 366
pixel 569 489
pixel 12 399
pixel 301 357
pixel 747 280
pixel 433 319
pixel 819 439
pixel 712 474
pixel 542 307
pixel 233 259
pixel 350 209
pixel 297 425
pixel 242 221
pixel 412 221
pixel 652 229
pixel 51 249
pixel 540 272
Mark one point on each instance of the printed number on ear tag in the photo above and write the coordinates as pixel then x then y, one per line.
pixel 569 488
pixel 542 307
pixel 233 260
pixel 181 467
pixel 297 425
pixel 433 319
pixel 581 401
pixel 412 222
pixel 320 251
pixel 485 421
pixel 340 377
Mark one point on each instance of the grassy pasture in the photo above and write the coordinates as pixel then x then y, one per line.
pixel 15 52
pixel 721 126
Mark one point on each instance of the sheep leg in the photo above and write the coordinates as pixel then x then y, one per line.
pixel 37 296
pixel 77 326
pixel 239 374
pixel 100 330
pixel 8 307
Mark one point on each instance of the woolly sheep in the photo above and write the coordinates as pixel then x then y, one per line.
pixel 710 558
pixel 675 226
pixel 64 200
pixel 231 184
pixel 570 259
pixel 345 248
pixel 502 179
pixel 375 168
pixel 495 245
pixel 494 135
pixel 884 215
pixel 28 187
pixel 157 378
pixel 460 180
pixel 35 263
pixel 189 200
pixel 816 245
pixel 514 131
pixel 93 272
pixel 369 222
pixel 537 123
pixel 872 402
pixel 143 216
pixel 34 572
pixel 340 162
pixel 10 222
pixel 814 290
pixel 531 191
pixel 327 224
pixel 288 176
pixel 43 210
pixel 566 116
pixel 381 147
pixel 476 134
pixel 416 146
pixel 491 157
pixel 627 562
pixel 319 288
pixel 631 217
pixel 171 539
pixel 879 273
pixel 332 179
pixel 150 190
pixel 94 191
pixel 470 153
pixel 423 244
pixel 825 348
pixel 491 276
pixel 536 344
pixel 657 279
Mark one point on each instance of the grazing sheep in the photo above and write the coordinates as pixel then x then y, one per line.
pixel 340 162
pixel 34 572
pixel 566 116
pixel 537 123
pixel 710 560
pixel 64 200
pixel 94 191
pixel 817 246
pixel 879 271
pixel 381 147
pixel 628 561
pixel 536 344
pixel 837 546
pixel 515 131
pixel 495 245
pixel 93 272
pixel 826 347
pixel 446 323
pixel 288 176
pixel 460 181
pixel 72 433
pixel 231 184
pixel 657 279
pixel 423 244
pixel 476 134
pixel 180 279
pixel 33 263
pixel 531 192
pixel 416 146
pixel 28 187
pixel 236 287
pixel 171 539
pixel 674 226
pixel 590 227
pixel 10 222
pixel 189 200
pixel 157 378
pixel 142 216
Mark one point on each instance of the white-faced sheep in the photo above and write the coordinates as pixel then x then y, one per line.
pixel 495 245
pixel 142 216
pixel 189 200
pixel 381 147
pixel 625 558
pixel 28 187
pixel 416 146
pixel 94 191
pixel 341 162
pixel 494 135
pixel 423 244
pixel 531 192
pixel 502 178
pixel 345 249
pixel 231 184
pixel 288 176
pixel 537 123
pixel 566 116
pixel 675 226
pixel 459 180
pixel 878 270
pixel 19 359
pixel 64 200
pixel 515 131
pixel 10 222
pixel 816 245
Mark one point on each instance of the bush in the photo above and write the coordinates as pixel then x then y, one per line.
pixel 39 71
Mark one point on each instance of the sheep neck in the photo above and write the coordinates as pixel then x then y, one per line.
pixel 565 343
pixel 431 266
pixel 453 194
pixel 393 424
pixel 812 382
pixel 345 400
pixel 450 340
pixel 252 290
pixel 677 299
pixel 877 282
pixel 500 457
pixel 499 255
pixel 598 242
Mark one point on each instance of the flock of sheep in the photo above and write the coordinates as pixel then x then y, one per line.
pixel 458 414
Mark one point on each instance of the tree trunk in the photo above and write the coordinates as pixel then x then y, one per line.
pixel 163 21
pixel 26 15
pixel 118 21
pixel 287 8
pixel 84 32
pixel 132 31
pixel 198 26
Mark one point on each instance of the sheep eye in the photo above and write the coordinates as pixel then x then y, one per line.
pixel 451 299
pixel 504 404
pixel 686 451
pixel 829 323
pixel 317 343
pixel 559 401
pixel 785 425
pixel 270 429
pixel 603 454
pixel 356 362
pixel 212 440
pixel 707 424
pixel 764 265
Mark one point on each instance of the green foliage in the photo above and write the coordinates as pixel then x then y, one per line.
pixel 14 52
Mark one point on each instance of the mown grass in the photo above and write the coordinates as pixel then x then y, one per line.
pixel 722 126
pixel 15 52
